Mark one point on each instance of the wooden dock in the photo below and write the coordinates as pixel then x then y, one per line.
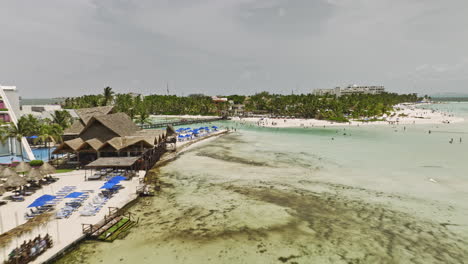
pixel 111 227
pixel 181 122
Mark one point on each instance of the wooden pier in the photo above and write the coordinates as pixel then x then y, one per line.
pixel 111 227
pixel 181 122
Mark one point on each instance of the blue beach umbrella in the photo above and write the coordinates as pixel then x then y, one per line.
pixel 42 200
pixel 117 179
pixel 108 185
pixel 74 195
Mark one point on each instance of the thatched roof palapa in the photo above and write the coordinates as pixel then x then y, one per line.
pixel 34 175
pixel 23 167
pixel 73 145
pixel 75 128
pixel 157 135
pixel 85 114
pixel 94 143
pixel 46 168
pixel 7 172
pixel 119 123
pixel 117 162
pixel 15 181
pixel 110 132
pixel 40 220
pixel 119 143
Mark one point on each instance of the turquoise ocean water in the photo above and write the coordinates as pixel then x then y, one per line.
pixel 373 194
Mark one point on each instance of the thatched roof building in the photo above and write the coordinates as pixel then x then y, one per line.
pixel 85 114
pixel 102 133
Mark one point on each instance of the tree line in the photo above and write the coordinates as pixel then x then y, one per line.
pixel 328 107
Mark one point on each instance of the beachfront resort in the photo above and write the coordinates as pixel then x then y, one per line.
pixel 98 168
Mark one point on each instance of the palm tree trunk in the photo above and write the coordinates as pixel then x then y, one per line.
pixel 21 148
pixel 48 149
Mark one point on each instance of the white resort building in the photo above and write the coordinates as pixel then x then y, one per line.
pixel 10 112
pixel 351 89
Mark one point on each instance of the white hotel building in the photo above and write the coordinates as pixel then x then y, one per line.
pixel 10 112
pixel 351 89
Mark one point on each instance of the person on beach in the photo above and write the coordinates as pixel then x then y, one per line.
pixel 460 140
pixel 451 141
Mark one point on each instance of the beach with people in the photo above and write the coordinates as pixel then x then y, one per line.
pixel 403 114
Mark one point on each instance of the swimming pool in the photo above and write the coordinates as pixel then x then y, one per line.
pixel 42 153
pixel 39 154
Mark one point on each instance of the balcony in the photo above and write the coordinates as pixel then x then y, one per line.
pixel 5 117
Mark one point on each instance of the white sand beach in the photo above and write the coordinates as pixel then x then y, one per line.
pixel 182 116
pixel 404 114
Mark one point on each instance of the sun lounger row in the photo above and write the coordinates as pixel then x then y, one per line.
pixel 71 206
pixel 93 207
pixel 64 192
pixel 40 210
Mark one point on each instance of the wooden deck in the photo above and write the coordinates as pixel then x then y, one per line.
pixel 99 230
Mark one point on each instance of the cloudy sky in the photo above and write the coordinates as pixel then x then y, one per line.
pixel 74 47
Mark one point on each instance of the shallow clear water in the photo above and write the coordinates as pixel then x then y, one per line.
pixel 383 194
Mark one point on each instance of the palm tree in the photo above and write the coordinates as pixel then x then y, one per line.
pixel 143 116
pixel 30 123
pixel 108 95
pixel 45 136
pixel 18 132
pixel 4 135
pixel 62 118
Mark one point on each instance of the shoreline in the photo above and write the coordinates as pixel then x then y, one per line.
pixel 404 114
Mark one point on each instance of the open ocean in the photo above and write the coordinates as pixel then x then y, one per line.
pixel 369 194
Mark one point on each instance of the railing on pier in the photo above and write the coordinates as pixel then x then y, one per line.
pixel 181 122
pixel 98 228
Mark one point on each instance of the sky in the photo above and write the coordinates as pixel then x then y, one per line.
pixel 53 48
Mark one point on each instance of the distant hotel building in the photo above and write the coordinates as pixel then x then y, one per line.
pixel 9 113
pixel 351 89
pixel 217 99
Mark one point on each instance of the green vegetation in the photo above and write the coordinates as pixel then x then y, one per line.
pixel 63 170
pixel 327 107
pixel 36 163
pixel 113 229
pixel 3 109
